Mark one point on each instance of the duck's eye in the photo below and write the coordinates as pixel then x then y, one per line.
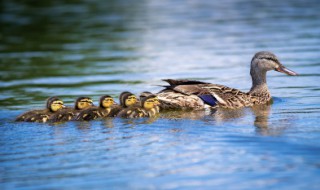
pixel 270 59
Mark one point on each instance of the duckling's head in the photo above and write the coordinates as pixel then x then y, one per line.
pixel 127 99
pixel 106 101
pixel 149 102
pixel 156 101
pixel 54 104
pixel 145 94
pixel 264 61
pixel 83 103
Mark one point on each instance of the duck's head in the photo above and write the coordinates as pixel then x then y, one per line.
pixel 83 103
pixel 127 99
pixel 264 61
pixel 106 101
pixel 150 102
pixel 54 104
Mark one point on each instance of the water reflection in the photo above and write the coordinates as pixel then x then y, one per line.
pixel 83 125
pixel 108 122
pixel 262 113
pixel 72 48
pixel 220 116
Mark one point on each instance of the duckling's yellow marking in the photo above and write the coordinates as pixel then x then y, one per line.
pixel 131 100
pixel 107 102
pixel 56 105
pixel 149 104
pixel 84 103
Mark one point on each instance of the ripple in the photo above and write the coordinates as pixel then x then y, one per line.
pixel 93 48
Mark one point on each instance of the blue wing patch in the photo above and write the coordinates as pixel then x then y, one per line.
pixel 208 99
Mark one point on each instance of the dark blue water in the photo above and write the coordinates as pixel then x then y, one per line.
pixel 74 48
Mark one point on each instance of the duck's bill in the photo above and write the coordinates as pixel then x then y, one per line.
pixel 283 69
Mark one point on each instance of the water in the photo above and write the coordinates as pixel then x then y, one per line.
pixel 74 48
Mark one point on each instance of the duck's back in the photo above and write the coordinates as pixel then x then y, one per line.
pixel 34 116
pixel 65 114
pixel 132 112
pixel 92 113
pixel 199 95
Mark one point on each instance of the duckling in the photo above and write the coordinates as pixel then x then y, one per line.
pixel 69 113
pixel 126 99
pixel 53 105
pixel 146 109
pixel 156 100
pixel 105 106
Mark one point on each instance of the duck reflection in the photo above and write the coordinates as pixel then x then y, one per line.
pixel 263 124
pixel 261 113
pixel 194 115
pixel 219 116
pixel 136 121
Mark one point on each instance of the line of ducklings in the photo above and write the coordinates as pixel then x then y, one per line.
pixel 84 110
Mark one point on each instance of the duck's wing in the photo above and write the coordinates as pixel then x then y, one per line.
pixel 132 112
pixel 30 116
pixel 115 109
pixel 90 114
pixel 174 82
pixel 65 114
pixel 227 97
pixel 195 94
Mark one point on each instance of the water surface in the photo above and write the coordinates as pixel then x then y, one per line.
pixel 74 48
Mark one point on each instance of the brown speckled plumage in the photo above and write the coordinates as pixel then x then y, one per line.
pixel 186 94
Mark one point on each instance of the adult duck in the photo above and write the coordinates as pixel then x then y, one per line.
pixel 188 94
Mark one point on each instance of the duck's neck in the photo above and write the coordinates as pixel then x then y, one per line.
pixel 259 82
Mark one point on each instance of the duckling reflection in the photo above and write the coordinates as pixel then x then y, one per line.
pixel 222 114
pixel 108 123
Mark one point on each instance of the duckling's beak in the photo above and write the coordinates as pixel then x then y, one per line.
pixel 283 69
pixel 157 103
pixel 63 106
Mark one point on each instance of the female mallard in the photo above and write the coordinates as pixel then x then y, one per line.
pixel 146 109
pixel 186 94
pixel 67 114
pixel 53 105
pixel 105 106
